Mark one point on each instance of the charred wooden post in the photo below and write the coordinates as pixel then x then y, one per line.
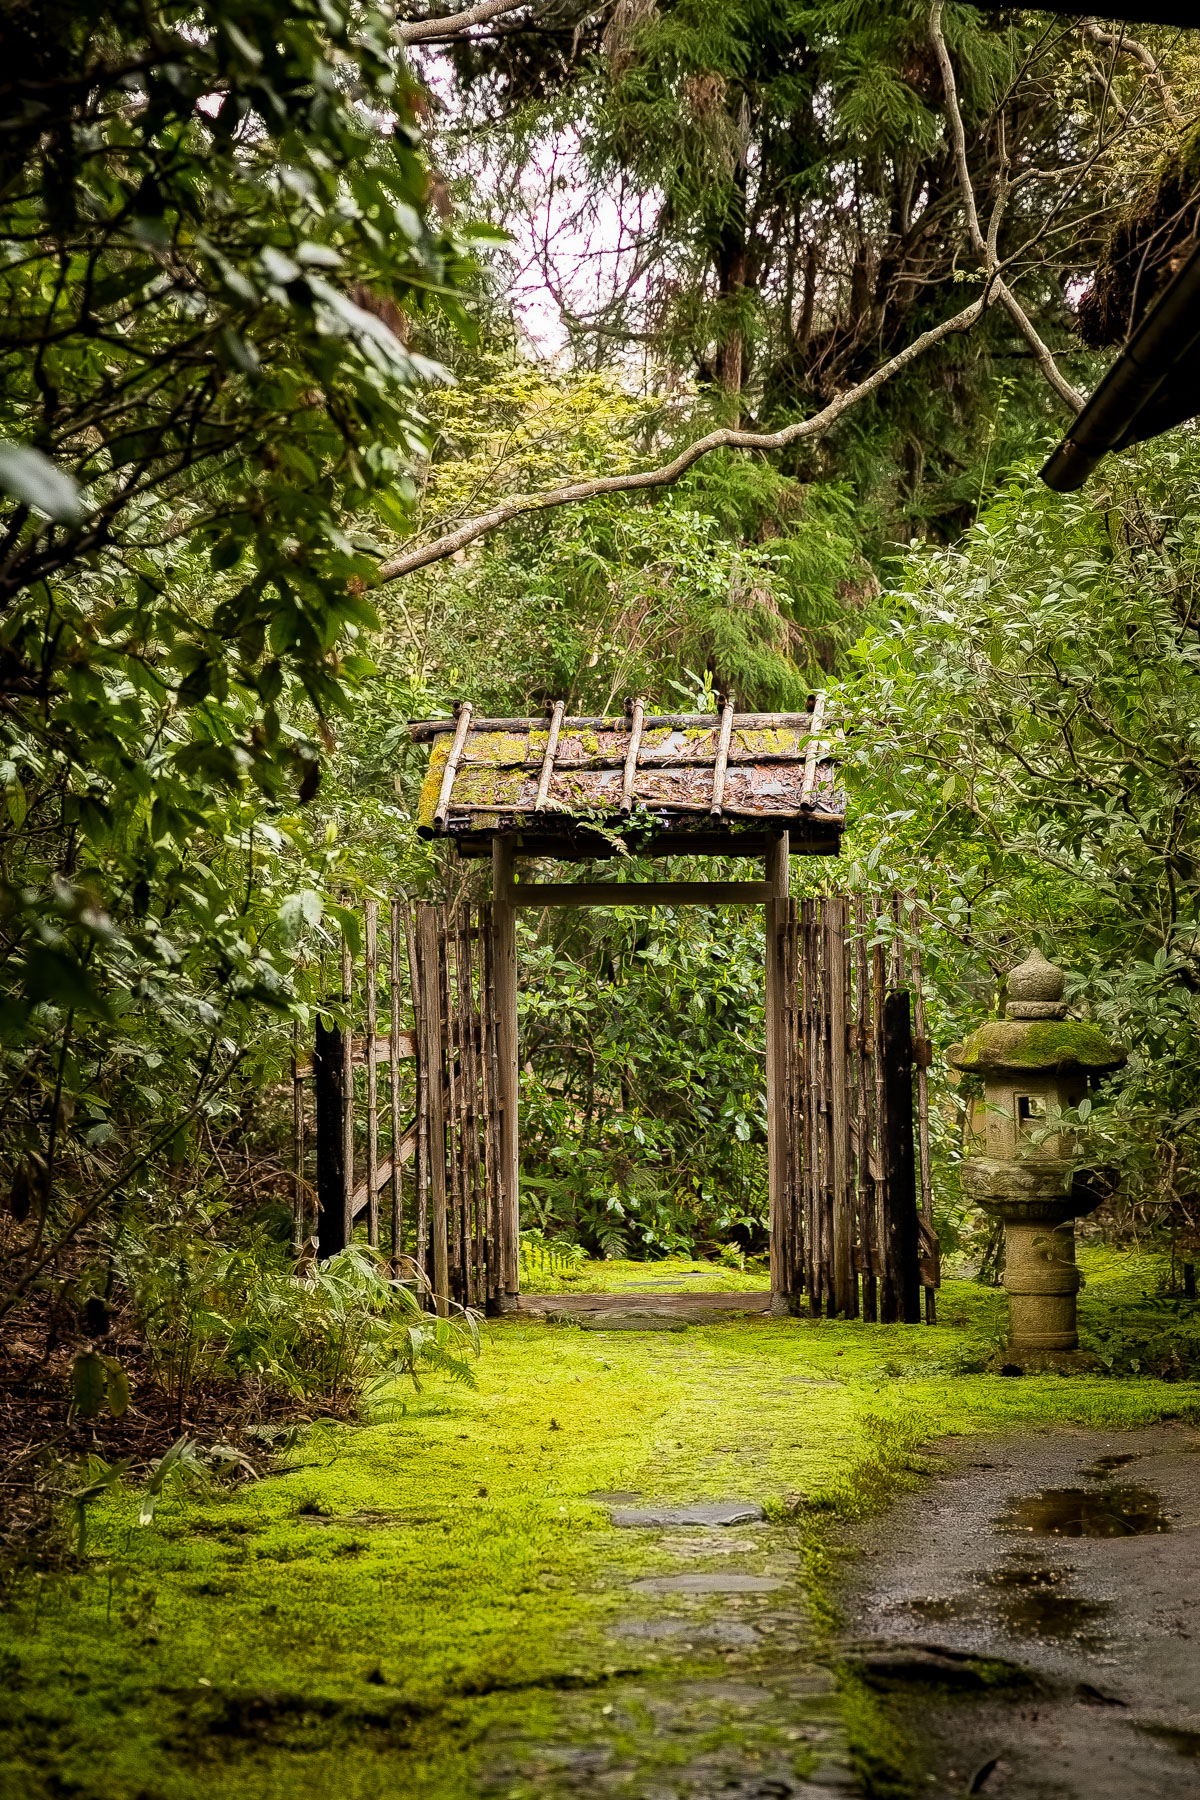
pixel 900 1180
pixel 776 908
pixel 333 1224
pixel 921 1055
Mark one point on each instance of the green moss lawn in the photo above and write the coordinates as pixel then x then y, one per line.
pixel 405 1596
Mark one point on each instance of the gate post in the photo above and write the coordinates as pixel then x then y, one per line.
pixel 504 976
pixel 900 1176
pixel 777 1110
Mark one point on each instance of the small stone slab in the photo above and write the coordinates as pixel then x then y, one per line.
pixel 698 1512
pixel 631 1321
pixel 728 1634
pixel 719 1582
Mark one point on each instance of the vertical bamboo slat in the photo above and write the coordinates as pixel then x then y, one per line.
pixel 429 946
pixel 449 1033
pixel 371 938
pixel 462 985
pixel 488 1055
pixel 347 1095
pixel 421 1035
pixel 868 1210
pixel 845 1290
pixel 477 1216
pixel 394 1073
pixel 507 1070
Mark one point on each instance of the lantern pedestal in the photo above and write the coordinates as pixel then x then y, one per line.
pixel 1034 1064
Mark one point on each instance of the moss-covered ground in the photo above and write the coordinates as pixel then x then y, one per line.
pixel 670 1274
pixel 415 1605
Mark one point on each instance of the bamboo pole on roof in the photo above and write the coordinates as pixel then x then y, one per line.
pixel 636 718
pixel 721 760
pixel 442 809
pixel 543 787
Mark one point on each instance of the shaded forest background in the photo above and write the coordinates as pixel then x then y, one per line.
pixel 286 301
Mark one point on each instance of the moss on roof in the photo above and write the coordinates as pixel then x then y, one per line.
pixel 1036 1046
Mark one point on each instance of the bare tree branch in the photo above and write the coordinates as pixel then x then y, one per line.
pixel 985 247
pixel 637 480
pixel 1127 46
pixel 451 25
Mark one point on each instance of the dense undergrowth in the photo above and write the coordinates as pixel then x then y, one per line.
pixel 399 1598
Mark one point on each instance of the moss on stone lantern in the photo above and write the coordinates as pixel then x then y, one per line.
pixel 1034 1063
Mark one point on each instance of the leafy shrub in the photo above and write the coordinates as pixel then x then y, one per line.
pixel 344 1329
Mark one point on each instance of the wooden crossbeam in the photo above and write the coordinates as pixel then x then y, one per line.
pixel 639 893
pixel 406 1049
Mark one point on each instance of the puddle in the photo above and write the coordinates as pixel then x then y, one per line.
pixel 1073 1512
pixel 1032 1602
pixel 1025 1602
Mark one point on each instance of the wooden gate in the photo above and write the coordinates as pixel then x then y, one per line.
pixel 437 1112
pixel 851 1164
pixel 844 1071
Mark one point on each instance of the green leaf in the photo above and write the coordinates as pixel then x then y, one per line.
pixel 116 1387
pixel 89 1384
pixel 53 975
pixel 34 480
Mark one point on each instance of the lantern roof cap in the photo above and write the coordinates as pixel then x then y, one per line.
pixel 1016 1047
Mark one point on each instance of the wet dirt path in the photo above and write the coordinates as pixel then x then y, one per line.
pixel 1032 1617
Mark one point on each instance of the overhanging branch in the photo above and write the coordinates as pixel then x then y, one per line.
pixel 573 493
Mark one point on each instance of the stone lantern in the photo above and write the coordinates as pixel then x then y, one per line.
pixel 1034 1062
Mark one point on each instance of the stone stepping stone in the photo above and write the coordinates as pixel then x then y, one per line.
pixel 614 1496
pixel 696 1512
pixel 631 1321
pixel 718 1582
pixel 727 1634
pixel 668 1281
